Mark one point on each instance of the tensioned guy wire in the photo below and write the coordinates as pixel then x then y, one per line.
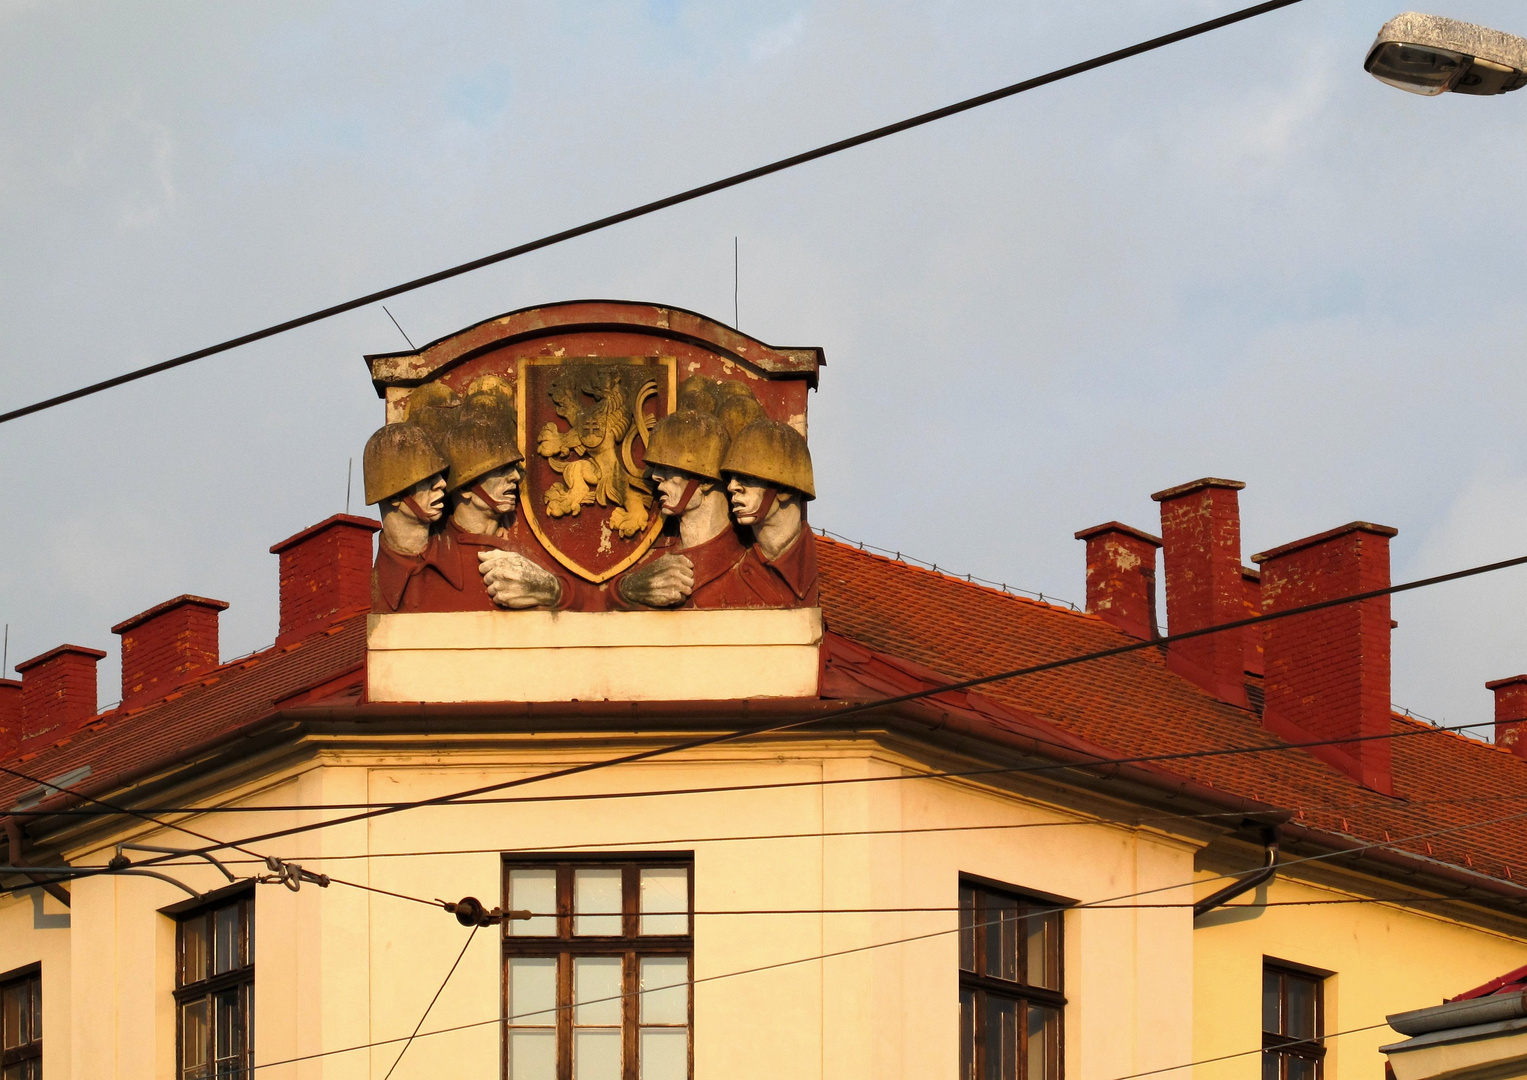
pixel 660 204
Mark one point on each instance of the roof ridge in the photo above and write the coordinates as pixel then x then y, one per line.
pixel 954 579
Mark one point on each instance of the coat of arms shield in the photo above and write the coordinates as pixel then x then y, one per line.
pixel 583 426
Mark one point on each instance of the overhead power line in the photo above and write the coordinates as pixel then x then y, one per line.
pixel 643 210
pixel 916 695
pixel 912 939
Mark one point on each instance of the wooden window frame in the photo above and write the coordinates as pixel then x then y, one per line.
pixel 982 985
pixel 32 1050
pixel 241 978
pixel 1277 1043
pixel 630 945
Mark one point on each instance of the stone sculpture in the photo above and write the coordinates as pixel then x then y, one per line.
pixel 769 479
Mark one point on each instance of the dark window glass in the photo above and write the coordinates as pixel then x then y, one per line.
pixel 1292 1024
pixel 215 991
pixel 1010 986
pixel 597 983
pixel 21 1026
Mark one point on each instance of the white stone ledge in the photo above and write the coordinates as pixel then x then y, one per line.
pixel 593 656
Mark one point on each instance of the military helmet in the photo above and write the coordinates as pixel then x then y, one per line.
pixel 475 446
pixel 737 411
pixel 772 451
pixel 689 440
pixel 698 392
pixel 396 458
pixel 433 407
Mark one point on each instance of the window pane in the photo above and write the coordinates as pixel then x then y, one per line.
pixel 596 1054
pixel 533 990
pixel 665 990
pixel 665 1054
pixel 1300 1016
pixel 967 929
pixel 665 901
pixel 226 1023
pixel 225 949
pixel 534 890
pixel 1001 918
pixel 194 1038
pixel 1271 987
pixel 532 1055
pixel 1043 1058
pixel 1269 1067
pixel 1043 945
pixel 13 1015
pixel 35 1012
pixel 967 1035
pixel 1299 1068
pixel 596 901
pixel 596 990
pixel 193 950
pixel 1001 1039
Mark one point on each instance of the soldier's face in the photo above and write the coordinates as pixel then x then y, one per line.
pixel 747 494
pixel 502 486
pixel 671 485
pixel 429 495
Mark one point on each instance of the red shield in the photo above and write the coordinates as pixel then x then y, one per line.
pixel 584 425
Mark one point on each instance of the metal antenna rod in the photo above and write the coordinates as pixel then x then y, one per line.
pixel 400 329
pixel 349 472
pixel 5 662
pixel 736 273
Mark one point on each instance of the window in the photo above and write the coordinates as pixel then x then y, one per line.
pixel 214 993
pixel 1010 985
pixel 1293 1022
pixel 597 984
pixel 21 1025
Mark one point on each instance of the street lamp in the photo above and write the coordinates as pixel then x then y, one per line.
pixel 1427 54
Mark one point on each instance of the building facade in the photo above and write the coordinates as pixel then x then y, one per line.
pixel 722 814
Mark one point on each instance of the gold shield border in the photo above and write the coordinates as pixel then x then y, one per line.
pixel 527 447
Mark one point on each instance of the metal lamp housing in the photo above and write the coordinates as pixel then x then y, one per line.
pixel 1430 55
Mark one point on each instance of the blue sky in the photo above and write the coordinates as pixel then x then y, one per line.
pixel 1240 256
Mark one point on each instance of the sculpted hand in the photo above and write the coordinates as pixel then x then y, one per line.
pixel 513 581
pixel 667 581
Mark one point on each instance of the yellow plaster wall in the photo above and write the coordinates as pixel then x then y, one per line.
pixel 341 967
pixel 34 929
pixel 1386 959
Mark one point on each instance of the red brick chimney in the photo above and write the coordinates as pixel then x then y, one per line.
pixel 57 692
pixel 166 645
pixel 10 716
pixel 1121 576
pixel 1327 673
pixel 1511 713
pixel 325 574
pixel 1251 599
pixel 1201 534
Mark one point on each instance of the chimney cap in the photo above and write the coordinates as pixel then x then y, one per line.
pixel 159 609
pixel 1511 680
pixel 369 524
pixel 1320 538
pixel 1119 526
pixel 1197 485
pixel 27 665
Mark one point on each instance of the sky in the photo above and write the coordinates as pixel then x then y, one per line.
pixel 1240 256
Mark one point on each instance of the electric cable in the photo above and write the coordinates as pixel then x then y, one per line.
pixel 659 204
pixel 859 949
pixel 645 793
pixel 465 945
pixel 931 691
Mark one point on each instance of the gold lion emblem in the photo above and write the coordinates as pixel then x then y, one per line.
pixel 604 409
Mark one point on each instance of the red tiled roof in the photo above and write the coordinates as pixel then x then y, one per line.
pixel 924 623
pixel 124 742
pixel 1135 706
